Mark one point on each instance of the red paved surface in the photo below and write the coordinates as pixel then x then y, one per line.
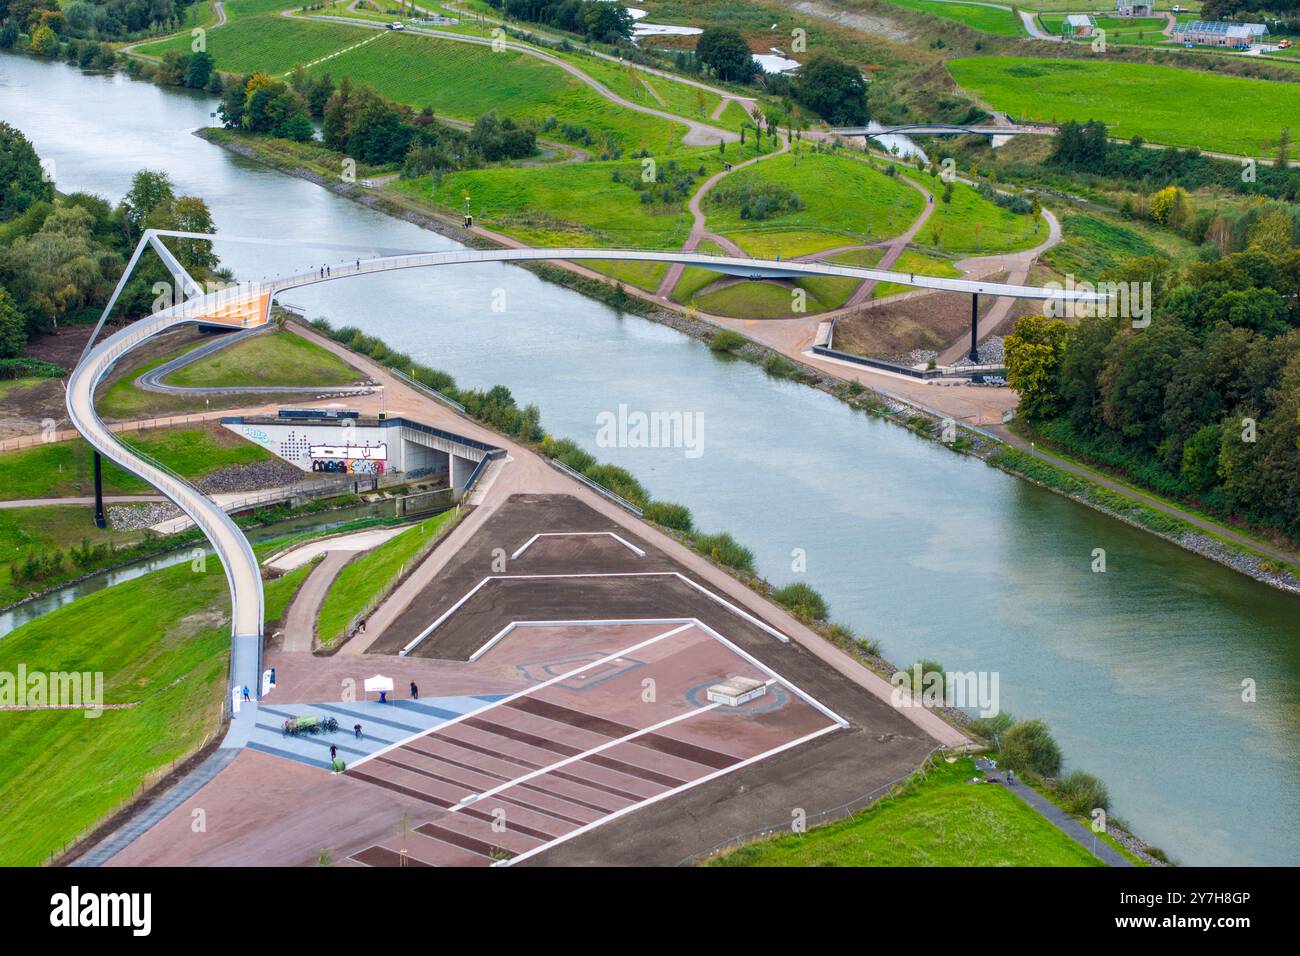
pixel 537 768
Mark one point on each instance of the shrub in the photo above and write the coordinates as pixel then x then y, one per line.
pixel 803 600
pixel 1081 792
pixel 927 668
pixel 992 728
pixel 1028 745
pixel 670 515
pixel 620 481
pixel 726 550
pixel 726 340
pixel 778 366
pixel 565 451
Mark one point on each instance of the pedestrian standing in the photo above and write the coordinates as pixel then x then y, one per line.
pixel 246 695
pixel 415 691
pixel 357 730
pixel 334 751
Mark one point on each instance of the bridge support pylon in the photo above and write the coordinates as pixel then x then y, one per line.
pixel 100 522
pixel 974 326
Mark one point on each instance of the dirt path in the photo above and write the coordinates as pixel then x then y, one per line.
pixel 1017 266
pixel 300 621
pixel 895 248
pixel 699 231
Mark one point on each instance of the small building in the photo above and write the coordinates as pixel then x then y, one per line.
pixel 1219 33
pixel 1079 25
pixel 1134 8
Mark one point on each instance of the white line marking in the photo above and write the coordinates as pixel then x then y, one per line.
pixel 665 795
pixel 599 748
pixel 738 611
pixel 578 534
pixel 600 622
pixel 348 49
pixel 521 693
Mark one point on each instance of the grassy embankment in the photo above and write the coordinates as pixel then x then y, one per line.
pixel 63 469
pixel 940 820
pixel 162 643
pixel 272 358
pixel 365 581
pixel 1163 104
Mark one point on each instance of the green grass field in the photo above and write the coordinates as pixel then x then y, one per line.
pixel 275 358
pixel 769 300
pixel 367 579
pixel 261 40
pixel 919 263
pixel 942 821
pixel 845 201
pixel 1093 247
pixel 971 225
pixel 984 19
pixel 576 204
pixel 1160 103
pixel 162 642
pixel 63 469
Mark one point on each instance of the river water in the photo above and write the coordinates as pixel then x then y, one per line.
pixel 1138 670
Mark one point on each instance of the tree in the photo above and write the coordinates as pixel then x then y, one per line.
pixel 1033 357
pixel 148 190
pixel 724 50
pixel 60 267
pixel 1171 207
pixel 13 327
pixel 45 42
pixel 198 71
pixel 22 181
pixel 1284 148
pixel 608 22
pixel 833 89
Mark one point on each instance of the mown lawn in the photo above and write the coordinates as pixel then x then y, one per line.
pixel 367 579
pixel 63 469
pixel 844 201
pixel 768 300
pixel 972 225
pixel 273 358
pixel 465 81
pixel 919 263
pixel 574 204
pixel 1163 104
pixel 1093 247
pixel 986 19
pixel 265 41
pixel 942 821
pixel 163 641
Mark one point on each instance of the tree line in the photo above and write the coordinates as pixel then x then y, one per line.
pixel 61 255
pixel 1203 401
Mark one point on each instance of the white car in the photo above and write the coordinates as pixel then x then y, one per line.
pixel 397 25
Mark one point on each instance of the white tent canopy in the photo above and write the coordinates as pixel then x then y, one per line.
pixel 378 683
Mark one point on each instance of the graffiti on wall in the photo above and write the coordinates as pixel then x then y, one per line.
pixel 350 459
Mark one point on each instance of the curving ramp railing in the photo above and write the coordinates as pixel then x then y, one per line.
pixel 248 305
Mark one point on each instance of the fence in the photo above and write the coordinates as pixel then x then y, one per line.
pixel 598 488
pixel 68 434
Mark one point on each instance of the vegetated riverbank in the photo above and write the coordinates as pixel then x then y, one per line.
pixel 921 421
